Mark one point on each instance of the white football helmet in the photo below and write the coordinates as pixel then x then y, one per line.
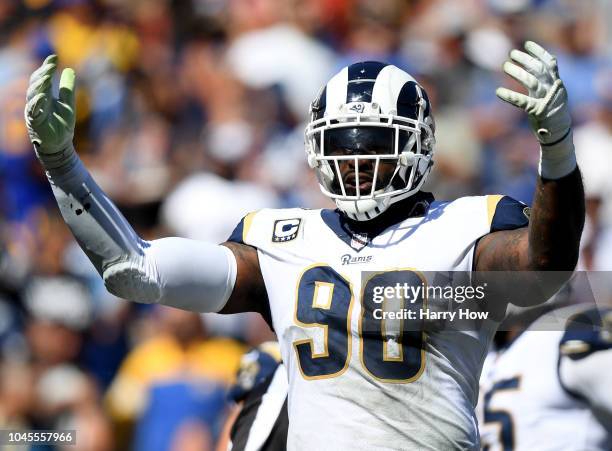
pixel 370 115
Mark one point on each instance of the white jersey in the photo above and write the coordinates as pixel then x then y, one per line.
pixel 353 385
pixel 532 396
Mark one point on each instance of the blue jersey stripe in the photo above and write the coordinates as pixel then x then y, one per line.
pixel 237 234
pixel 509 214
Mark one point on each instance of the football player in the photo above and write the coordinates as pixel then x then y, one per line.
pixel 259 420
pixel 550 389
pixel 356 381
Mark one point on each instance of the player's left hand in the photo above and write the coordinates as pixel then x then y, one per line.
pixel 546 102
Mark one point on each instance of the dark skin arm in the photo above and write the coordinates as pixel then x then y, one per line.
pixel 551 241
pixel 249 293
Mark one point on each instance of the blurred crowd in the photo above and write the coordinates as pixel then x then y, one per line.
pixel 190 113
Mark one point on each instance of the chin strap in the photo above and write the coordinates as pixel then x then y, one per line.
pixel 364 209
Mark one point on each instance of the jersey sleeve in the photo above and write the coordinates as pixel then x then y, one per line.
pixel 241 231
pixel 506 213
pixel 250 231
pixel 585 358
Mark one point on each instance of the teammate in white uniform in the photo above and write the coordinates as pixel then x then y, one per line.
pixel 356 382
pixel 550 389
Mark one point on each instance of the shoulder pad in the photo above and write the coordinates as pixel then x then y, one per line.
pixel 242 229
pixel 587 332
pixel 255 367
pixel 506 213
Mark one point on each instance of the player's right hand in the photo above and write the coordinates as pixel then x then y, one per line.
pixel 50 121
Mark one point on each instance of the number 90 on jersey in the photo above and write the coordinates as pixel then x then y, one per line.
pixel 391 350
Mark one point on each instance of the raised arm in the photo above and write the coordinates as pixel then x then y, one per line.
pixel 551 240
pixel 182 273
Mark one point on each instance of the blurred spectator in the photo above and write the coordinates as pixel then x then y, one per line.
pixel 207 207
pixel 68 400
pixel 173 382
pixel 299 64
pixel 594 153
pixel 579 52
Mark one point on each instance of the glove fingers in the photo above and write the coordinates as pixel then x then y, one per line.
pixel 41 85
pixel 516 98
pixel 36 107
pixel 51 59
pixel 531 65
pixel 66 88
pixel 48 66
pixel 540 53
pixel 64 115
pixel 522 76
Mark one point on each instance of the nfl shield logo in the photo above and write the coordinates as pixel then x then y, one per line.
pixel 359 241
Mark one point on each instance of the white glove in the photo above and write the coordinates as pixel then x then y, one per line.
pixel 546 106
pixel 50 121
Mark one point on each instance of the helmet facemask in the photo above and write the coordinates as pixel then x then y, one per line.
pixel 366 160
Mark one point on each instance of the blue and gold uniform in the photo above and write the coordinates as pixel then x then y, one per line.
pixel 346 368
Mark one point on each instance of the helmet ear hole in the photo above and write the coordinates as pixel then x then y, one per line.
pixel 312 161
pixel 428 143
pixel 325 174
pixel 311 154
pixel 406 159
